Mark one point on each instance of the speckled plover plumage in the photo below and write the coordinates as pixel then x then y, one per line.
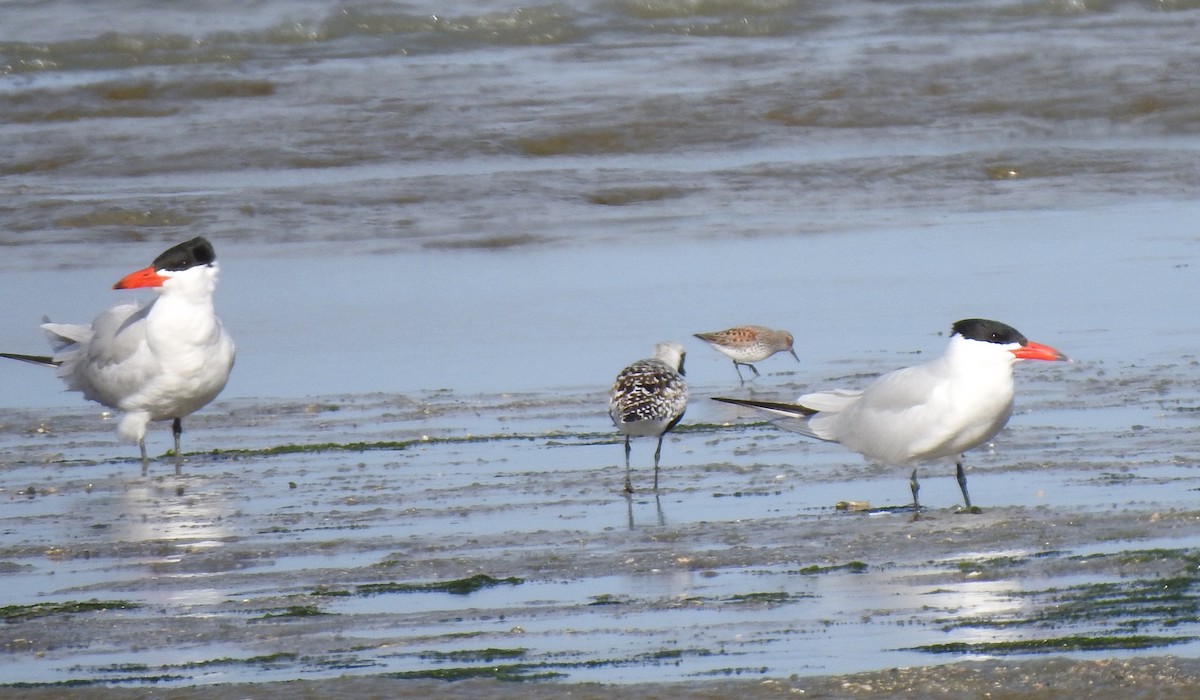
pixel 648 399
pixel 748 344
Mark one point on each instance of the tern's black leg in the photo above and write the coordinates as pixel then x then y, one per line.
pixel 145 459
pixel 962 482
pixel 177 430
pixel 916 487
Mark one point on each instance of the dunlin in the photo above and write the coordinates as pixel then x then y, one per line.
pixel 748 344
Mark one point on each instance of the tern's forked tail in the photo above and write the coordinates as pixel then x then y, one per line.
pixel 787 410
pixel 42 360
pixel 789 416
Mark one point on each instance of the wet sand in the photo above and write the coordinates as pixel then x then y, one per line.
pixel 445 543
pixel 1163 679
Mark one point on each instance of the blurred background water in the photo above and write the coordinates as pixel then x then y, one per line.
pixel 506 196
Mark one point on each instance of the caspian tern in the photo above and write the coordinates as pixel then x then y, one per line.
pixel 157 361
pixel 648 399
pixel 746 345
pixel 932 411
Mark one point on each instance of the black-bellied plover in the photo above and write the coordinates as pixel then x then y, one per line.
pixel 648 399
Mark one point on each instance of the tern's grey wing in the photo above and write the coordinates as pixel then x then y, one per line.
pixel 107 361
pixel 903 417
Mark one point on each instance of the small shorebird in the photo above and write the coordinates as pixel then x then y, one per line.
pixel 748 344
pixel 157 361
pixel 648 399
pixel 932 411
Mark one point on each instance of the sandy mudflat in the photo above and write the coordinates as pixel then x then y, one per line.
pixel 1160 678
pixel 375 545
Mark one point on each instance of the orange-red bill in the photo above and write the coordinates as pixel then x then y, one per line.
pixel 1037 351
pixel 146 277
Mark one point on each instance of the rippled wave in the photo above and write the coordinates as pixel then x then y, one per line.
pixel 502 125
pixel 155 36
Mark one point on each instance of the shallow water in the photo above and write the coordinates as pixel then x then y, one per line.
pixel 442 236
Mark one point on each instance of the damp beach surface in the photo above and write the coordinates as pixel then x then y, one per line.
pixel 445 542
pixel 485 540
pixel 441 237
